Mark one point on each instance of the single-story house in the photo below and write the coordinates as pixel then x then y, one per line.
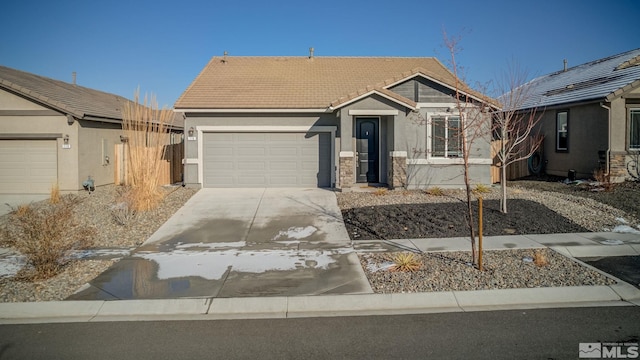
pixel 54 132
pixel 334 122
pixel 590 117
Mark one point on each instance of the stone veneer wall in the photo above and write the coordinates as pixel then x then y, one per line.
pixel 398 172
pixel 619 171
pixel 347 176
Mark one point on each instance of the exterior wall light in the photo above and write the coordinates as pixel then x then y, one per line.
pixel 65 142
pixel 191 134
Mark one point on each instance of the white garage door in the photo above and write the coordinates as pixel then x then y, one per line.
pixel 28 166
pixel 267 160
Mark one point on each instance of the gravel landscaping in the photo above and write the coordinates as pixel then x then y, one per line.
pixel 503 269
pixel 96 210
pixel 534 207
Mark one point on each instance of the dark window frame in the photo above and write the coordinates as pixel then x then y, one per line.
pixel 566 131
pixel 632 147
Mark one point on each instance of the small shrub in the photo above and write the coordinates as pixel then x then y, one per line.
pixel 539 258
pixel 435 191
pixel 380 191
pixel 45 234
pixel 123 211
pixel 54 196
pixel 405 262
pixel 603 179
pixel 481 189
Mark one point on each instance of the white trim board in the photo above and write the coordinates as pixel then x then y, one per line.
pixel 448 161
pixel 355 112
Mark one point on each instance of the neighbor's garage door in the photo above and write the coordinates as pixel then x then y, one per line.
pixel 28 166
pixel 267 160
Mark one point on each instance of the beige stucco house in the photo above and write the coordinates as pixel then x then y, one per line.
pixel 54 132
pixel 591 117
pixel 334 122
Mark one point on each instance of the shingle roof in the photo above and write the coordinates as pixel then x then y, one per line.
pixel 599 79
pixel 72 99
pixel 301 82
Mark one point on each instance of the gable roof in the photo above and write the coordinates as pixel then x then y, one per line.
pixel 305 83
pixel 76 100
pixel 602 79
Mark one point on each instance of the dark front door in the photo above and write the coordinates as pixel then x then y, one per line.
pixel 367 150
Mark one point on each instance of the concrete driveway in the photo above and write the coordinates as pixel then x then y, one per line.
pixel 241 243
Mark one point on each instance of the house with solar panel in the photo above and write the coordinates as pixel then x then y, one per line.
pixel 590 118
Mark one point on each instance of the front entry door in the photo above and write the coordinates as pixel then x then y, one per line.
pixel 367 167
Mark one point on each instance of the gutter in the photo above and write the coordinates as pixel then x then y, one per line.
pixel 608 136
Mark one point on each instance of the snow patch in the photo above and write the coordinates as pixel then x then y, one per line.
pixel 625 229
pixel 612 242
pixel 296 232
pixel 621 220
pixel 213 246
pixel 373 267
pixel 10 265
pixel 213 265
pixel 91 253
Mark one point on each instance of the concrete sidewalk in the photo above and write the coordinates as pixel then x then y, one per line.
pixel 572 245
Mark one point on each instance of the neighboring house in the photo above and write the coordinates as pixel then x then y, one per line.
pixel 53 132
pixel 590 117
pixel 333 122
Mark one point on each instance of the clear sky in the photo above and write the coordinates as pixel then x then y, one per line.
pixel 161 46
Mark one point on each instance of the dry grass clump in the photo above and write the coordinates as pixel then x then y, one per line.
pixel 45 234
pixel 146 128
pixel 405 262
pixel 123 210
pixel 481 189
pixel 380 191
pixel 539 258
pixel 603 179
pixel 54 196
pixel 435 191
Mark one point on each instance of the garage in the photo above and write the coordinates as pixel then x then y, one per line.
pixel 28 166
pixel 266 159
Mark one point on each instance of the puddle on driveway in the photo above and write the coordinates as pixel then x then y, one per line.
pixel 186 273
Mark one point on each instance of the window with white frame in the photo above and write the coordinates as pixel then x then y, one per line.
pixel 562 130
pixel 634 129
pixel 445 136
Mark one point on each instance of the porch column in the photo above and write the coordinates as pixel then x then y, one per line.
pixel 398 171
pixel 347 169
pixel 618 167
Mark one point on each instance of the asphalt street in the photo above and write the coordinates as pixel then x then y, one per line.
pixel 521 334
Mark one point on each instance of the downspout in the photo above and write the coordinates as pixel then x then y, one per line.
pixel 608 135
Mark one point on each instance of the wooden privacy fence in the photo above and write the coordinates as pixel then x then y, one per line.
pixel 170 170
pixel 516 170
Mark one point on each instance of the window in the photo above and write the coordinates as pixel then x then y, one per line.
pixel 562 131
pixel 634 129
pixel 445 137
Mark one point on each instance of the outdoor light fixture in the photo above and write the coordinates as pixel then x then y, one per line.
pixel 123 138
pixel 191 134
pixel 65 142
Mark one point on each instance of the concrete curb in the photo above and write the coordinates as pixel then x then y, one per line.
pixel 621 294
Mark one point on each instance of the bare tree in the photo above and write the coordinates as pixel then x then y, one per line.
pixel 474 125
pixel 515 129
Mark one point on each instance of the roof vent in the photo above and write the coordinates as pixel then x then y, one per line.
pixel 565 64
pixel 224 57
pixel 73 78
pixel 310 53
